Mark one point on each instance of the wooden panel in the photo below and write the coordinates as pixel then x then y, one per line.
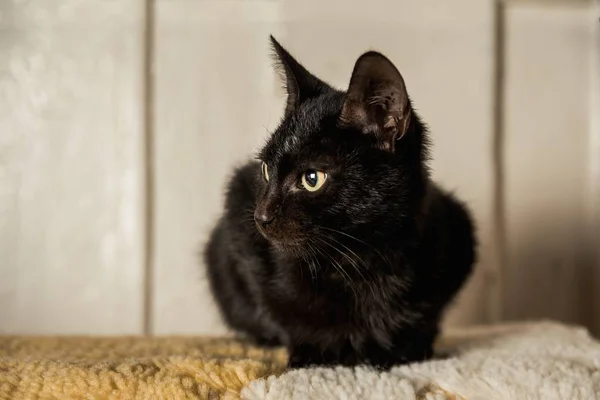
pixel 215 98
pixel 70 162
pixel 445 52
pixel 215 93
pixel 550 247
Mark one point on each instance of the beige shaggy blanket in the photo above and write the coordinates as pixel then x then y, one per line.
pixel 526 361
pixel 535 361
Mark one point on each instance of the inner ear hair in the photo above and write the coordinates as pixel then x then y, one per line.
pixel 376 101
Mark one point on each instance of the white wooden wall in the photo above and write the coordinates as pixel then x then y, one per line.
pixel 71 167
pixel 121 120
pixel 550 162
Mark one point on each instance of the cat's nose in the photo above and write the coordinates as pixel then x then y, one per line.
pixel 263 218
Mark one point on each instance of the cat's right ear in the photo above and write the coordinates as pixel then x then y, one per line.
pixel 298 82
pixel 376 101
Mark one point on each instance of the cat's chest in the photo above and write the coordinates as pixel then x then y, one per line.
pixel 331 303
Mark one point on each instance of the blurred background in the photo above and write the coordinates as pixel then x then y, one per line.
pixel 121 120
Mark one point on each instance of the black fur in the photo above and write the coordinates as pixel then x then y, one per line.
pixel 361 270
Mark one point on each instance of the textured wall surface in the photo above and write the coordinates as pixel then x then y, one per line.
pixel 70 167
pixel 551 263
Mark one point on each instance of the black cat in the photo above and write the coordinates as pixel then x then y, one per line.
pixel 336 243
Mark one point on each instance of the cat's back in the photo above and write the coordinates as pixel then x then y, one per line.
pixel 235 232
pixel 447 215
pixel 241 192
pixel 236 222
pixel 237 218
pixel 448 236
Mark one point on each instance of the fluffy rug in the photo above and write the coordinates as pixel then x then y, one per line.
pixel 533 361
pixel 539 361
pixel 123 368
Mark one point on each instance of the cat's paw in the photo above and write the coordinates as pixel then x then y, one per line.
pixel 297 362
pixel 268 342
pixel 306 356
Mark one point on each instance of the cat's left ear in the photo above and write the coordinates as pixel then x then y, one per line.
pixel 376 101
pixel 299 83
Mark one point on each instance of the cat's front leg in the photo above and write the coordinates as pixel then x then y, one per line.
pixel 304 356
pixel 307 355
pixel 385 359
pixel 408 347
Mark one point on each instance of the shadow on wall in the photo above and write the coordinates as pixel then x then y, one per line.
pixel 551 272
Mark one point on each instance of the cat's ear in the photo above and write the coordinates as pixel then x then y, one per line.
pixel 377 102
pixel 299 83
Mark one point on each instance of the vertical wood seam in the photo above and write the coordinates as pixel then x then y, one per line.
pixel 149 171
pixel 498 198
pixel 594 167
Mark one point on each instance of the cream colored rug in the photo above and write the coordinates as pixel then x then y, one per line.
pixel 538 361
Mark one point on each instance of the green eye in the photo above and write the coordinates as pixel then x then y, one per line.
pixel 265 171
pixel 313 180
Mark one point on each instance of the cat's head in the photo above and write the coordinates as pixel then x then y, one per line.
pixel 341 164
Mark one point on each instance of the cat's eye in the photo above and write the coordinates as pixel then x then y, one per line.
pixel 265 171
pixel 313 180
